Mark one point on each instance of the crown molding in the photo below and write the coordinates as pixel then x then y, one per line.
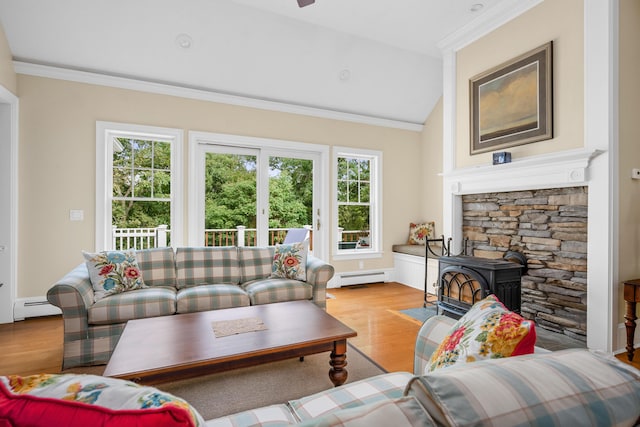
pixel 493 18
pixel 80 76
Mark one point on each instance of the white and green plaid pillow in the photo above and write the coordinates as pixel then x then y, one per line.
pixel 405 411
pixel 207 265
pixel 563 388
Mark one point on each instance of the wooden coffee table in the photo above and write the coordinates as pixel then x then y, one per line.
pixel 167 348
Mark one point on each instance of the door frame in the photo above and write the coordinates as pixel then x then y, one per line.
pixel 269 146
pixel 9 121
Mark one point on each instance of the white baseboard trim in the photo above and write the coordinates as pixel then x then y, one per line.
pixel 360 277
pixel 24 308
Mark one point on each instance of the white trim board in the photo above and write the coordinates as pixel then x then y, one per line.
pixel 9 247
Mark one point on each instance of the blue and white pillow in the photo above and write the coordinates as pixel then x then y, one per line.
pixel 113 272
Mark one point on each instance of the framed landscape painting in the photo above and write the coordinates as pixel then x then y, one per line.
pixel 512 103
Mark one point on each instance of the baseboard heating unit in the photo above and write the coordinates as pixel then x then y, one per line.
pixel 360 278
pixel 33 307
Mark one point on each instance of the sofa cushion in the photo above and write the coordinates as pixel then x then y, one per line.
pixel 88 400
pixel 210 297
pixel 290 261
pixel 267 291
pixel 255 263
pixel 149 302
pixel 400 412
pixel 158 266
pixel 272 416
pixel 564 388
pixel 113 272
pixel 196 266
pixel 375 389
pixel 487 331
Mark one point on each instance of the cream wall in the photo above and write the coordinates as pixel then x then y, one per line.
pixel 559 21
pixel 7 74
pixel 629 143
pixel 431 168
pixel 57 163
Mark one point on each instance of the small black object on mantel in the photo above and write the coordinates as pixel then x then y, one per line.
pixel 501 157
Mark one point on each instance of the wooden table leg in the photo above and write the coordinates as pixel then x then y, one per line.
pixel 631 297
pixel 630 325
pixel 338 373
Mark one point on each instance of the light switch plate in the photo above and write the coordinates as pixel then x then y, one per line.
pixel 635 173
pixel 76 215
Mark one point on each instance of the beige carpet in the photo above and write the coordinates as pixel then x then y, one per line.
pixel 241 389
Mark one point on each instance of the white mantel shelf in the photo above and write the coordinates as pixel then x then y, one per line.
pixel 563 169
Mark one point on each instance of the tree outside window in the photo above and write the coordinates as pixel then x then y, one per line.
pixel 141 183
pixel 357 212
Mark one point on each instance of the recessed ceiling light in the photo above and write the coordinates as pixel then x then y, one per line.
pixel 184 41
pixel 476 7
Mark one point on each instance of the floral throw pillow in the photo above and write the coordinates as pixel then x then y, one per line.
pixel 290 261
pixel 113 272
pixel 89 400
pixel 487 331
pixel 419 233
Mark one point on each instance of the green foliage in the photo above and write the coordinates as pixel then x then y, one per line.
pixel 230 194
pixel 142 169
pixel 286 210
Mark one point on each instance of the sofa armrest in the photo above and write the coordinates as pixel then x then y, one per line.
pixel 430 335
pixel 73 294
pixel 318 274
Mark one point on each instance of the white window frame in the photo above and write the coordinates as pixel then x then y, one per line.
pixel 375 249
pixel 105 132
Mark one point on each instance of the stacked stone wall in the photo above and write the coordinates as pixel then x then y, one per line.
pixel 550 228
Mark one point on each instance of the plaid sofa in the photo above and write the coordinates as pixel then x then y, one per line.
pixel 574 387
pixel 187 280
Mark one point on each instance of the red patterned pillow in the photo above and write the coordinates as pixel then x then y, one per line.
pixel 419 233
pixel 51 400
pixel 487 331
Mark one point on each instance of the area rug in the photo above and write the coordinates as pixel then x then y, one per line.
pixel 233 391
pixel 419 314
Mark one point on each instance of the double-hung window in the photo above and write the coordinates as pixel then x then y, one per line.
pixel 138 203
pixel 357 211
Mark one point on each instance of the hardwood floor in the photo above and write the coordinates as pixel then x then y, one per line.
pixel 388 337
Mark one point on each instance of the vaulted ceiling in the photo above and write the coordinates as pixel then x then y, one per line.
pixel 376 58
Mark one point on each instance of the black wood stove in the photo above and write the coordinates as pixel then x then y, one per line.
pixel 464 280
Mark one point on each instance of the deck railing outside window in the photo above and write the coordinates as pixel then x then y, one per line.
pixel 140 238
pixel 145 238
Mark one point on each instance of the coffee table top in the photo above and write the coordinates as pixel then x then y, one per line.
pixel 161 345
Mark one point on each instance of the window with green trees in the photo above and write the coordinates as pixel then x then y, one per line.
pixel 356 194
pixel 141 183
pixel 138 181
pixel 230 191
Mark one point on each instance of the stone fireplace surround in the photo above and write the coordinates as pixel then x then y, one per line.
pixel 548 227
pixel 575 169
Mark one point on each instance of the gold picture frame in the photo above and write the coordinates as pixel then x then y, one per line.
pixel 512 104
